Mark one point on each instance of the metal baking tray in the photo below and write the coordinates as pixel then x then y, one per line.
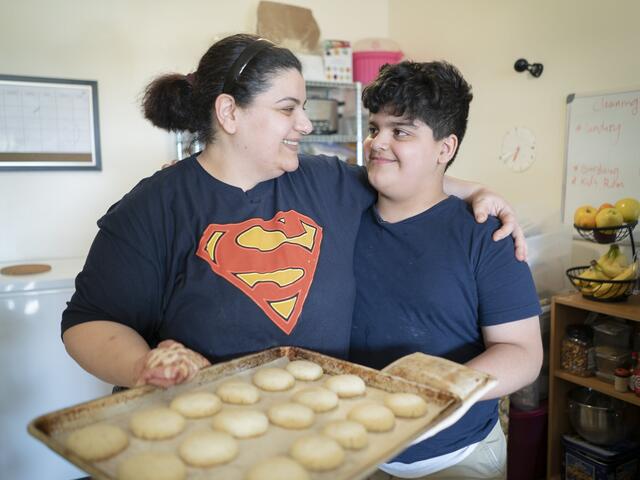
pixel 446 405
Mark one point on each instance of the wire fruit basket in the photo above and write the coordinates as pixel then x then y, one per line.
pixel 601 290
pixel 607 234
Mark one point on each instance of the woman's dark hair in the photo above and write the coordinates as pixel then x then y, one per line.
pixel 432 92
pixel 177 102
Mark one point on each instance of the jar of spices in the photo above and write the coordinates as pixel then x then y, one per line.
pixel 577 354
pixel 621 382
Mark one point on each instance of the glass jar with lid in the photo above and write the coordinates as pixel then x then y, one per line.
pixel 577 353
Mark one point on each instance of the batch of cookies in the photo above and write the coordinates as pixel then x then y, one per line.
pixel 233 419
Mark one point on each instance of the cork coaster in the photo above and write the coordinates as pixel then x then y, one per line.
pixel 25 269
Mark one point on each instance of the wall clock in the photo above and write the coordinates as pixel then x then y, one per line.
pixel 518 149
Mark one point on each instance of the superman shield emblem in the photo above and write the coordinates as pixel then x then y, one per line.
pixel 271 261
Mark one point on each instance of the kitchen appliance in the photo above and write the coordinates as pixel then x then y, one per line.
pixel 599 418
pixel 36 373
pixel 323 113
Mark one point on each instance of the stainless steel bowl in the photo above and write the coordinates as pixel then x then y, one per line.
pixel 599 418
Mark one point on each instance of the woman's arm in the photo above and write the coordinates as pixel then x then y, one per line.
pixel 111 351
pixel 118 355
pixel 486 202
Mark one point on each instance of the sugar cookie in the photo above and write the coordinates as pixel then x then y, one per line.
pixel 407 405
pixel 346 386
pixel 317 452
pixel 291 415
pixel 152 466
pixel 273 379
pixel 207 448
pixel 196 404
pixel 349 434
pixel 319 399
pixel 239 393
pixel 156 423
pixel 277 468
pixel 97 442
pixel 241 423
pixel 305 370
pixel 374 417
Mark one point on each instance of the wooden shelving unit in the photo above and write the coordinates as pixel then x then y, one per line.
pixel 565 310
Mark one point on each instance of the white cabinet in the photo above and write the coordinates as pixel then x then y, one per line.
pixel 37 376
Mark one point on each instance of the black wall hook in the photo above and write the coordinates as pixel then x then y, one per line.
pixel 535 69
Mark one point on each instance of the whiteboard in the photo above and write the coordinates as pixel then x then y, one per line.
pixel 603 150
pixel 48 123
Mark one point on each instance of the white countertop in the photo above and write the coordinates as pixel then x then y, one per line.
pixel 62 275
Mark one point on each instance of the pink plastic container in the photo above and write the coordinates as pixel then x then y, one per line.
pixel 367 64
pixel 527 444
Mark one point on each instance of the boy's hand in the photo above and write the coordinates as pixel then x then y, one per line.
pixel 170 164
pixel 485 203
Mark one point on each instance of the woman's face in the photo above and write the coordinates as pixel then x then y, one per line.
pixel 270 128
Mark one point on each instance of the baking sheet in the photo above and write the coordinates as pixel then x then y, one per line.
pixel 53 428
pixel 466 383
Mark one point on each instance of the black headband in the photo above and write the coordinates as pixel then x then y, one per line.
pixel 242 61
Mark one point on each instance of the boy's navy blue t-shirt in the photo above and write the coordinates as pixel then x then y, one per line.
pixel 428 284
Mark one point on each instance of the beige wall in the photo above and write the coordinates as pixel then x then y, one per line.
pixel 122 44
pixel 585 46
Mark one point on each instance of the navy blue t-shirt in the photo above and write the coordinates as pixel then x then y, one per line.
pixel 428 284
pixel 186 257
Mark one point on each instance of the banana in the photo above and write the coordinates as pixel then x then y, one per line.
pixel 594 272
pixel 613 262
pixel 589 289
pixel 598 289
pixel 610 290
pixel 628 273
pixel 621 259
pixel 584 280
pixel 611 270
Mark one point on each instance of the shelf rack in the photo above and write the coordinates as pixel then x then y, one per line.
pixel 565 310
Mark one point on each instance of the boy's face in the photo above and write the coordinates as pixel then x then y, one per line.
pixel 402 158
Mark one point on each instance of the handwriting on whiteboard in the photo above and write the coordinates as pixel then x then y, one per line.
pixel 602 128
pixel 602 149
pixel 595 176
pixel 602 103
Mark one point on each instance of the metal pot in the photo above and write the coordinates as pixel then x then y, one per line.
pixel 601 419
pixel 323 113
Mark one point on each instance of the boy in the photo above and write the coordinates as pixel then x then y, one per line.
pixel 429 278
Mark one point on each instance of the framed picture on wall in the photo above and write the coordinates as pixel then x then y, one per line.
pixel 48 124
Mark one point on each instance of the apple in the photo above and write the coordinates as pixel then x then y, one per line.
pixel 585 217
pixel 603 206
pixel 609 217
pixel 629 208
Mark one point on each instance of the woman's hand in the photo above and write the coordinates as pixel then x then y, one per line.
pixel 170 164
pixel 170 363
pixel 484 203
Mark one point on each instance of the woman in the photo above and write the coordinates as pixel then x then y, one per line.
pixel 240 248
